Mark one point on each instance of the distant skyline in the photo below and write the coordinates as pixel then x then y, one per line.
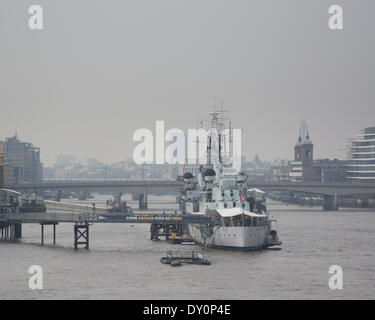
pixel 251 158
pixel 100 70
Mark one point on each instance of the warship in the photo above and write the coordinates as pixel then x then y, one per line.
pixel 218 188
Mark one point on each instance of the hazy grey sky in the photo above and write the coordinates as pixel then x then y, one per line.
pixel 102 69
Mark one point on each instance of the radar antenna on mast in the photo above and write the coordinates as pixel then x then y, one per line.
pixel 220 123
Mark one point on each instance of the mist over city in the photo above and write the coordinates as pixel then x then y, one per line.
pixel 99 71
pixel 183 155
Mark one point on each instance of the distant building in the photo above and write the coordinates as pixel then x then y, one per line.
pixel 280 171
pixel 64 160
pixel 21 162
pixel 48 173
pixel 303 156
pixel 257 163
pixel 361 154
pixel 328 171
pixel 256 170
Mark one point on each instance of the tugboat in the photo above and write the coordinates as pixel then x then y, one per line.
pixel 241 219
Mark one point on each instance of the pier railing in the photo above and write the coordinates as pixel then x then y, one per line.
pixel 49 216
pixel 32 217
pixel 73 207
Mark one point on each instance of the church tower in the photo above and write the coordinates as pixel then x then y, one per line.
pixel 303 153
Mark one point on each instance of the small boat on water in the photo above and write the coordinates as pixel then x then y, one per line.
pixel 178 258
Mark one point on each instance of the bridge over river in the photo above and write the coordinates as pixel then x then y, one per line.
pixel 140 189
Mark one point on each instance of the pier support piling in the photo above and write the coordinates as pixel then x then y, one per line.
pixel 154 230
pixel 4 230
pixel 167 230
pixel 42 224
pixel 330 203
pixel 17 231
pixel 42 234
pixel 81 235
pixel 54 233
pixel 143 201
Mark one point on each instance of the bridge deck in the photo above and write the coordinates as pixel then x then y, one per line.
pixel 172 186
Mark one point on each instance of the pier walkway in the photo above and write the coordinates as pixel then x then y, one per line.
pixel 83 216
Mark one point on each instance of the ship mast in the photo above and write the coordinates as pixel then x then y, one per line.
pixel 218 131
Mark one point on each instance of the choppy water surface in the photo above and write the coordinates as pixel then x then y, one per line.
pixel 123 263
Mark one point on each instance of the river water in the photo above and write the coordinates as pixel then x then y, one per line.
pixel 123 263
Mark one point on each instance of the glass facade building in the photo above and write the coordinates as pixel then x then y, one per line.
pixel 361 162
pixel 21 162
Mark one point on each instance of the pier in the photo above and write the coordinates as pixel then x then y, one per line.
pixel 82 217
